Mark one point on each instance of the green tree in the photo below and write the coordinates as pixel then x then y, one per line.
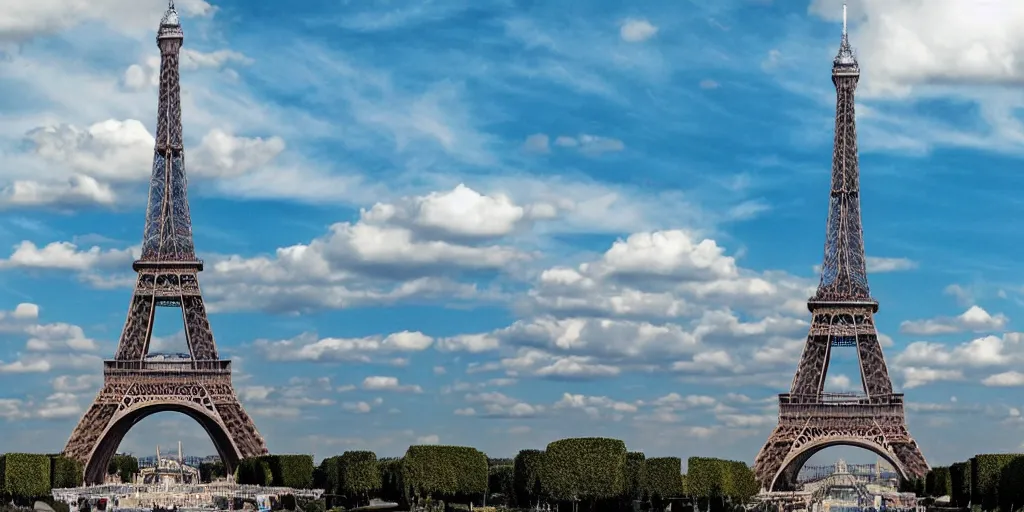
pixel 526 469
pixel 584 469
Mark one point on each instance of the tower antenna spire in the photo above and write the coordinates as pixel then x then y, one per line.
pixel 844 17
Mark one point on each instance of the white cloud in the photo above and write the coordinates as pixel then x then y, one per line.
pixel 1005 379
pixel 308 347
pixel 975 319
pixel 637 30
pixel 591 144
pixel 924 362
pixel 914 43
pixel 381 383
pixel 26 19
pixel 415 248
pixel 77 190
pixel 48 347
pixel 608 316
pixel 110 150
pixel 987 351
pixel 91 164
pixel 594 406
pixel 917 51
pixel 66 256
pixel 357 407
pixel 916 377
pixel 498 405
pixel 964 295
pixel 77 383
pixel 428 439
pixel 146 75
pixel 222 155
pixel 877 265
pixel 461 212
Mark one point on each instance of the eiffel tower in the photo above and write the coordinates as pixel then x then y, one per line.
pixel 811 420
pixel 136 385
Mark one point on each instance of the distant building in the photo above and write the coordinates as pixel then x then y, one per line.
pixel 169 470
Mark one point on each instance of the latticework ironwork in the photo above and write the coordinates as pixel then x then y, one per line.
pixel 134 384
pixel 842 316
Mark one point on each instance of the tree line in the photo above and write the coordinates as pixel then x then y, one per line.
pixel 991 481
pixel 597 472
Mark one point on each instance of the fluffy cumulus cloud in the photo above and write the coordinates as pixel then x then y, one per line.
pixel 311 348
pixel 414 248
pixel 47 346
pixel 659 300
pixel 910 43
pixel 91 165
pixel 974 319
pixel 991 359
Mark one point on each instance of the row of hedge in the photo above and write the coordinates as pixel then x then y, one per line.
pixel 294 471
pixel 987 480
pixel 568 470
pixel 28 476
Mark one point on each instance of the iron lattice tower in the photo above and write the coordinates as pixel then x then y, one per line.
pixel 842 316
pixel 135 384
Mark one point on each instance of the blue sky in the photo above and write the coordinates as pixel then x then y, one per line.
pixel 502 223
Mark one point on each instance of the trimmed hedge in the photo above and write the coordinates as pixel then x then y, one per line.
pixel 392 486
pixel 254 471
pixel 705 477
pixel 937 482
pixel 741 484
pixel 1011 484
pixel 432 470
pixel 986 476
pixel 326 476
pixel 661 477
pixel 960 484
pixel 25 475
pixel 65 472
pixel 634 472
pixel 209 471
pixel 295 471
pixel 584 468
pixel 358 473
pixel 718 478
pixel 500 480
pixel 526 469
pixel 914 485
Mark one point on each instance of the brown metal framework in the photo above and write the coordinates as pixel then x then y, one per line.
pixel 843 311
pixel 136 385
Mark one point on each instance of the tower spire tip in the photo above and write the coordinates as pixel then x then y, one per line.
pixel 844 17
pixel 845 57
